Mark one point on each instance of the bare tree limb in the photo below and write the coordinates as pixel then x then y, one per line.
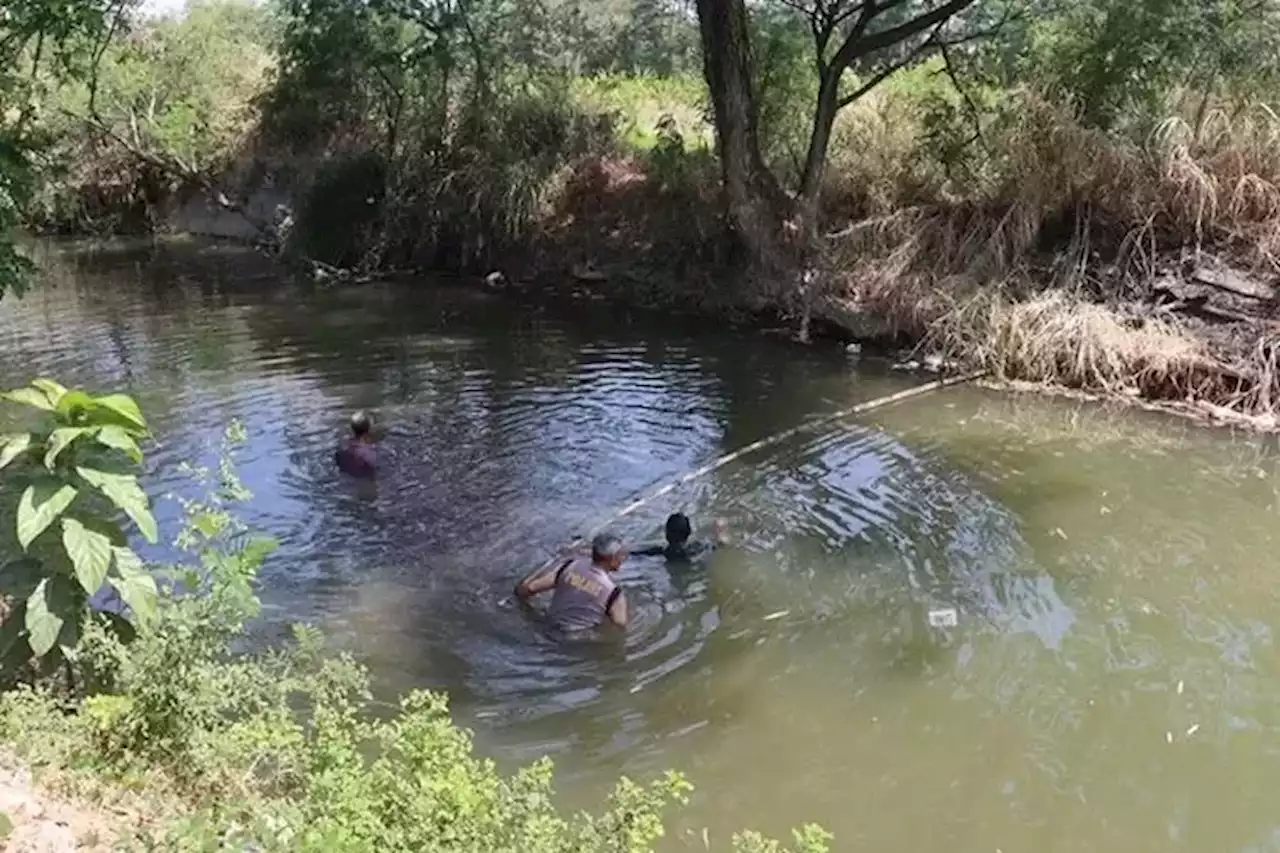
pixel 893 68
pixel 100 49
pixel 859 43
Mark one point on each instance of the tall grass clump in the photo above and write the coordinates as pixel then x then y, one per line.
pixel 1068 341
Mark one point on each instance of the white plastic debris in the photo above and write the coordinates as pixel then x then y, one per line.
pixel 1180 686
pixel 1168 737
pixel 778 615
pixel 943 618
pixel 1194 728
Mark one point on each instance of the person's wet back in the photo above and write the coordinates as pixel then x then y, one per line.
pixel 680 547
pixel 357 456
pixel 585 595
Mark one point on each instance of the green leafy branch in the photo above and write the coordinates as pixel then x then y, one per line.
pixel 76 476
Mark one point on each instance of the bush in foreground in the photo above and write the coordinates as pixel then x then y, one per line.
pixel 283 750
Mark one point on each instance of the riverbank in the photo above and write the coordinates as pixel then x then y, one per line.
pixel 1076 261
pixel 1185 330
pixel 37 818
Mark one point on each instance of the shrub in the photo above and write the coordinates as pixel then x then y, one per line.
pixel 74 467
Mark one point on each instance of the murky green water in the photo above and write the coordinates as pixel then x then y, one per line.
pixel 1112 685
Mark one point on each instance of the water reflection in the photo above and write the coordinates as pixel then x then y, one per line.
pixel 1096 561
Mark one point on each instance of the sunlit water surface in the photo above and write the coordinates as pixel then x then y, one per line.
pixel 1112 684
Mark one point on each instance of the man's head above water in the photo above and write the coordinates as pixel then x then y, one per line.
pixel 361 423
pixel 678 528
pixel 607 551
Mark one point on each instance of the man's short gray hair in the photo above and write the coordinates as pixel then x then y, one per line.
pixel 605 546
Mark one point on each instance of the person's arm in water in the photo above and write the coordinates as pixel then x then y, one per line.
pixel 540 581
pixel 617 611
pixel 544 579
pixel 649 551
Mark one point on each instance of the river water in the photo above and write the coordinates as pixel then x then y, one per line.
pixel 1112 683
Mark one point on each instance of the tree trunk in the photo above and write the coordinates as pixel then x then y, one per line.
pixel 758 210
pixel 815 161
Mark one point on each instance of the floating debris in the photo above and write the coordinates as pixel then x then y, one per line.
pixel 944 618
pixel 1057 531
pixel 1168 737
pixel 1194 728
pixel 1180 686
pixel 778 615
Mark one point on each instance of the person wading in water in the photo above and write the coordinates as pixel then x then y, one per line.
pixel 357 456
pixel 679 548
pixel 585 595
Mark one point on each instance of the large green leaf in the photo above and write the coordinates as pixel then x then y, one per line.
pixel 90 553
pixel 59 440
pixel 73 405
pixel 117 437
pixel 14 648
pixel 12 446
pixel 39 507
pixel 43 621
pixel 135 585
pixel 124 406
pixel 28 397
pixel 123 491
pixel 19 576
pixel 52 390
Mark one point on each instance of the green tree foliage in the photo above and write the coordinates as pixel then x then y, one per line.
pixel 169 103
pixel 38 38
pixel 72 480
pixel 1119 61
pixel 457 114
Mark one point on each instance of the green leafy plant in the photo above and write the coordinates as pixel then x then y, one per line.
pixel 69 482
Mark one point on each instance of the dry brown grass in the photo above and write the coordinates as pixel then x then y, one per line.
pixel 1045 174
pixel 1063 340
pixel 1007 277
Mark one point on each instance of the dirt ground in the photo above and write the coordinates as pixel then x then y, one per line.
pixel 34 822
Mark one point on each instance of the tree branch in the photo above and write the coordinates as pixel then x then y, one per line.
pixel 858 44
pixel 99 50
pixel 891 69
pixel 970 107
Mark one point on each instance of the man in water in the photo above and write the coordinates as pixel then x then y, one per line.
pixel 679 548
pixel 586 595
pixel 357 457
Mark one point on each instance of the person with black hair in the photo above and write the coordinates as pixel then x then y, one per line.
pixel 680 547
pixel 357 456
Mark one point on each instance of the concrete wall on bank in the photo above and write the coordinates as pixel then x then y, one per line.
pixel 200 216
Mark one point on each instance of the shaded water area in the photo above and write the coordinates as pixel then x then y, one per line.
pixel 1112 684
